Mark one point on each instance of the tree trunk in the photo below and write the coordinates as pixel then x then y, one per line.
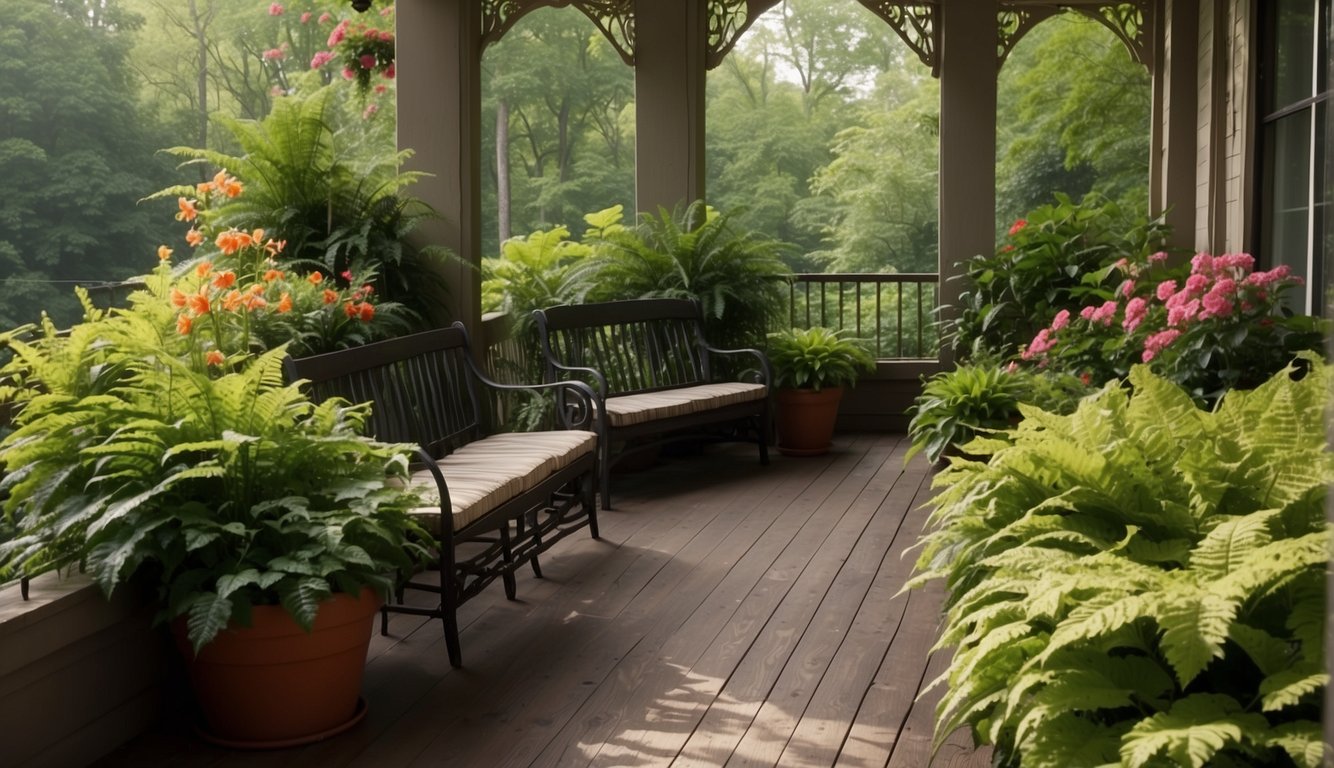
pixel 503 169
pixel 201 85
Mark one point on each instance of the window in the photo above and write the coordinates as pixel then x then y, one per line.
pixel 1294 106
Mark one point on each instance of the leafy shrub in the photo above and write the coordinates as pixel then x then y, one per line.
pixel 694 253
pixel 980 397
pixel 1221 326
pixel 814 358
pixel 337 211
pixel 1058 257
pixel 1141 582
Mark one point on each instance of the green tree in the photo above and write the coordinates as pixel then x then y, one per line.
pixel 1072 117
pixel 75 153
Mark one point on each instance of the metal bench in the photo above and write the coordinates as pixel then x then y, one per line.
pixel 655 377
pixel 496 501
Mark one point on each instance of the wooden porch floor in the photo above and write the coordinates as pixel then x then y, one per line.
pixel 732 614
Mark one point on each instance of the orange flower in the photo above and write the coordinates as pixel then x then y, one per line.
pixel 257 236
pixel 256 289
pixel 203 268
pixel 232 300
pixel 232 188
pixel 285 304
pixel 273 274
pixel 367 312
pixel 203 188
pixel 275 247
pixel 224 280
pixel 254 302
pixel 330 296
pixel 229 242
pixel 177 298
pixel 315 278
pixel 198 304
pixel 183 324
pixel 163 253
pixel 214 357
pixel 219 179
pixel 350 309
pixel 188 211
pixel 194 237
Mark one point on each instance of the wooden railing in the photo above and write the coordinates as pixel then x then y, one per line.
pixel 895 312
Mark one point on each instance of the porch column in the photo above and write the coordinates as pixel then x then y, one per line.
pixel 439 119
pixel 968 41
pixel 670 47
pixel 1175 100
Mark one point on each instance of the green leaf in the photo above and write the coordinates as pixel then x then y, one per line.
pixel 301 598
pixel 209 613
pixel 1193 731
pixel 1289 687
pixel 1195 624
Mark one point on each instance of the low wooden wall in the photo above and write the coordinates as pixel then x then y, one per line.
pixel 79 675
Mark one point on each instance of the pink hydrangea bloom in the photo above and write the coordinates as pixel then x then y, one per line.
pixel 321 58
pixel 348 74
pixel 1165 289
pixel 1061 320
pixel 325 18
pixel 1157 342
pixel 1136 310
pixel 367 61
pixel 1183 313
pixel 272 53
pixel 1127 287
pixel 339 32
pixel 1040 344
pixel 305 17
pixel 1158 258
pixel 1087 312
pixel 1239 262
pixel 1202 264
pixel 1105 314
pixel 1215 305
pixel 275 9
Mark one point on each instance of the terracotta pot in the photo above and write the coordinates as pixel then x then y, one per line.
pixel 273 684
pixel 806 420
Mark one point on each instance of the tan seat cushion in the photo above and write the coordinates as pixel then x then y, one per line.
pixel 489 472
pixel 627 410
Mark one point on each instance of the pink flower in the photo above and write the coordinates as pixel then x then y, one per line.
pixel 1165 289
pixel 1136 309
pixel 325 18
pixel 1158 258
pixel 305 17
pixel 369 111
pixel 1157 342
pixel 275 9
pixel 1195 284
pixel 1105 313
pixel 339 32
pixel 1183 312
pixel 389 72
pixel 1127 287
pixel 1039 345
pixel 273 53
pixel 1061 320
pixel 367 61
pixel 1018 226
pixel 1215 305
pixel 1240 262
pixel 1012 367
pixel 1087 312
pixel 321 58
pixel 1203 263
pixel 380 89
pixel 348 74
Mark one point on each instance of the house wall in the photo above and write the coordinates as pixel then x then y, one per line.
pixel 1222 121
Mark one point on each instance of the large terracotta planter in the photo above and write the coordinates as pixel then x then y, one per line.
pixel 806 420
pixel 273 684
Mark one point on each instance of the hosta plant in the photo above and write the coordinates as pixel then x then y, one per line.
pixel 1141 583
pixel 815 358
pixel 142 458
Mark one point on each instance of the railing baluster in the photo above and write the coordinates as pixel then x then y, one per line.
pixel 919 318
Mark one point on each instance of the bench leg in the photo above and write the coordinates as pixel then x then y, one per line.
pixel 507 554
pixel 449 590
pixel 604 473
pixel 590 504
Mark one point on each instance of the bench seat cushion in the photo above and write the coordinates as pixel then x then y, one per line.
pixel 486 473
pixel 628 410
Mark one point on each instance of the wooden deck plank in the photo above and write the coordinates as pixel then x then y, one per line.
pixel 728 609
pixel 770 732
pixel 670 700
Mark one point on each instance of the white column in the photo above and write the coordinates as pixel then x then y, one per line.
pixel 670 46
pixel 1175 101
pixel 968 69
pixel 439 119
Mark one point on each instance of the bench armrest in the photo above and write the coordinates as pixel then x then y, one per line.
pixel 764 374
pixel 592 373
pixel 576 402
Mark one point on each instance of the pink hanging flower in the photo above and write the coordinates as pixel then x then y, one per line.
pixel 321 58
pixel 348 74
pixel 389 72
pixel 305 17
pixel 338 34
pixel 272 54
pixel 276 9
pixel 1061 320
pixel 367 61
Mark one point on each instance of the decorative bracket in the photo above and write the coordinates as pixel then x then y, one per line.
pixel 615 18
pixel 1129 21
pixel 917 25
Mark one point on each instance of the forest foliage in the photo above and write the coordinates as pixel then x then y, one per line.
pixel 821 126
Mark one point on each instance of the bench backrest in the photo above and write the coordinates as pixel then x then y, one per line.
pixel 423 387
pixel 642 345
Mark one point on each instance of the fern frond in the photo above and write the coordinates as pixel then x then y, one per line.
pixel 1193 731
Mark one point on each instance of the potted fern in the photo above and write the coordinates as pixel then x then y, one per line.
pixel 811 367
pixel 156 448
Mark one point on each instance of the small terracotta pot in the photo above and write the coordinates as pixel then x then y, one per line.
pixel 273 684
pixel 806 420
